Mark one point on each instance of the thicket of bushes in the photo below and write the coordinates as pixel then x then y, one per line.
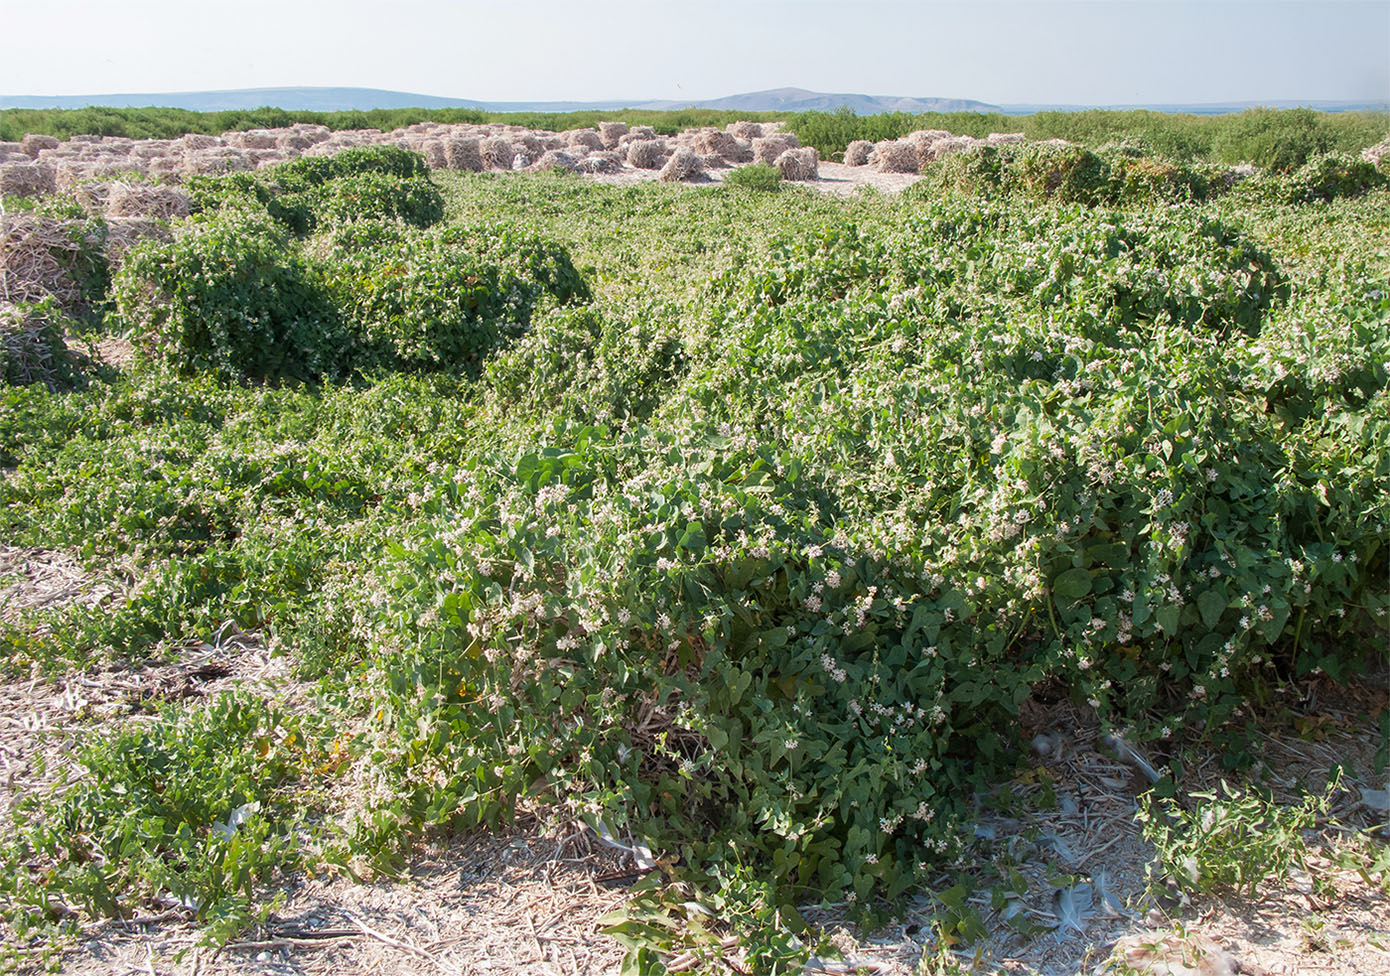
pixel 1002 447
pixel 759 566
pixel 242 293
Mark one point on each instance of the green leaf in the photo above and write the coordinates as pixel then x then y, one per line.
pixel 1211 604
pixel 1072 585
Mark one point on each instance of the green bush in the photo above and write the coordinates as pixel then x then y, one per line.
pixel 369 184
pixel 589 367
pixel 758 176
pixel 444 299
pixel 1333 176
pixel 310 171
pixel 1119 175
pixel 232 296
pixel 376 196
pixel 1067 174
pixel 1141 179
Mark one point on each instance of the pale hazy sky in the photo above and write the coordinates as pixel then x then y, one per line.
pixel 1103 51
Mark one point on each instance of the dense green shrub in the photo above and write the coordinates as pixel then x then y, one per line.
pixel 1278 140
pixel 381 182
pixel 377 196
pixel 1067 174
pixel 588 366
pixel 1002 446
pixel 232 296
pixel 1333 176
pixel 1140 178
pixel 758 176
pixel 308 171
pixel 1071 174
pixel 443 300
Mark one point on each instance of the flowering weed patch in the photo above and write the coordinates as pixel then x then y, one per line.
pixel 748 541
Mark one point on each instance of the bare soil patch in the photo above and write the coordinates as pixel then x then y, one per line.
pixel 835 179
pixel 518 902
pixel 35 580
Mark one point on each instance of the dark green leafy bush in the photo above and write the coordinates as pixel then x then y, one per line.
pixel 233 297
pixel 443 300
pixel 758 176
pixel 1333 176
pixel 376 182
pixel 236 190
pixel 1070 174
pixel 376 196
pixel 311 171
pixel 589 366
pixel 1003 446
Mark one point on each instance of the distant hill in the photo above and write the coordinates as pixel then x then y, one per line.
pixel 348 99
pixel 801 100
pixel 291 99
pixel 772 100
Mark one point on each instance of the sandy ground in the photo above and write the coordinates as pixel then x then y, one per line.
pixel 836 179
pixel 532 901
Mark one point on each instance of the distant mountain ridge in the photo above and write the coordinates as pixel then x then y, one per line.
pixel 801 100
pixel 773 100
pixel 363 99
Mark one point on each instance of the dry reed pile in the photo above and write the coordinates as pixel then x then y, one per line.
pixel 601 161
pixel 746 130
pixel 587 138
pixel 293 142
pixel 857 152
pixel 36 258
pixel 955 144
pixel 556 159
pixel 33 144
pixel 1005 138
pixel 895 156
pixel 766 149
pixel 799 163
pixel 498 153
pixel 611 132
pixel 683 166
pixel 147 200
pixel 26 179
pixel 714 142
pixel 464 154
pixel 646 153
pixel 220 160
